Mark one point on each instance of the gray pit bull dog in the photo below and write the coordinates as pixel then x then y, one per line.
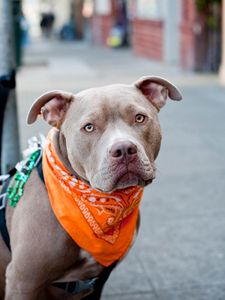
pixel 109 137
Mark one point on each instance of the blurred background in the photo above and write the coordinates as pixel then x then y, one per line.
pixel 77 44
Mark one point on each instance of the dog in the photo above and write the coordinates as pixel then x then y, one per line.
pixel 108 139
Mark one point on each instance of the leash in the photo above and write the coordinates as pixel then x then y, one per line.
pixel 16 188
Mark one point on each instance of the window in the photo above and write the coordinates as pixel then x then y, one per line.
pixel 148 9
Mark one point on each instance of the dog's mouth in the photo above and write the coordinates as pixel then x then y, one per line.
pixel 125 181
pixel 128 179
pixel 122 176
pixel 131 179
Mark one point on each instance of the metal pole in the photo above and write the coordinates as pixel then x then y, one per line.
pixel 9 144
pixel 222 67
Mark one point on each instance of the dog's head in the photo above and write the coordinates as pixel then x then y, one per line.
pixel 111 134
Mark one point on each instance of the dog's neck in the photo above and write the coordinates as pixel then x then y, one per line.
pixel 59 144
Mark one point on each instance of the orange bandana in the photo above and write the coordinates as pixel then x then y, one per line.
pixel 103 224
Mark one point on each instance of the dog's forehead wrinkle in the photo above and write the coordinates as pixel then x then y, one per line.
pixel 95 113
pixel 113 101
pixel 107 107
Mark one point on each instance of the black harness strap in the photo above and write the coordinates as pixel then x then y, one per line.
pixel 75 287
pixel 100 281
pixel 3 204
pixel 40 171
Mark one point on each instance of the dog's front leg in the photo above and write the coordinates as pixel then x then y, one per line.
pixel 22 286
pixel 19 287
pixel 41 250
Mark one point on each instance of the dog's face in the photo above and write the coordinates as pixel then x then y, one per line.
pixel 112 134
pixel 113 137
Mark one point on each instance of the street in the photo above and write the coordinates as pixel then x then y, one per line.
pixel 180 250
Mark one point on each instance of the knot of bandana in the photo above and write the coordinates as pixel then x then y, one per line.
pixel 101 223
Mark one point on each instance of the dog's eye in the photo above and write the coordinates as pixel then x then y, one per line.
pixel 139 118
pixel 89 127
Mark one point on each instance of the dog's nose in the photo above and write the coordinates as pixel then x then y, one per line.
pixel 124 149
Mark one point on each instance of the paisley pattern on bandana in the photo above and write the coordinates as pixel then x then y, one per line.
pixel 107 219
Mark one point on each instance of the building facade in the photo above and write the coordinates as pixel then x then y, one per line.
pixel 152 26
pixel 179 31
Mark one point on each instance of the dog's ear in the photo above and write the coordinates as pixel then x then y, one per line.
pixel 157 89
pixel 52 106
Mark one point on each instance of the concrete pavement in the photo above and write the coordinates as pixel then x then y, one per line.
pixel 180 250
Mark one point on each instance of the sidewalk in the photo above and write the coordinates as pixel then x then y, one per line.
pixel 180 250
